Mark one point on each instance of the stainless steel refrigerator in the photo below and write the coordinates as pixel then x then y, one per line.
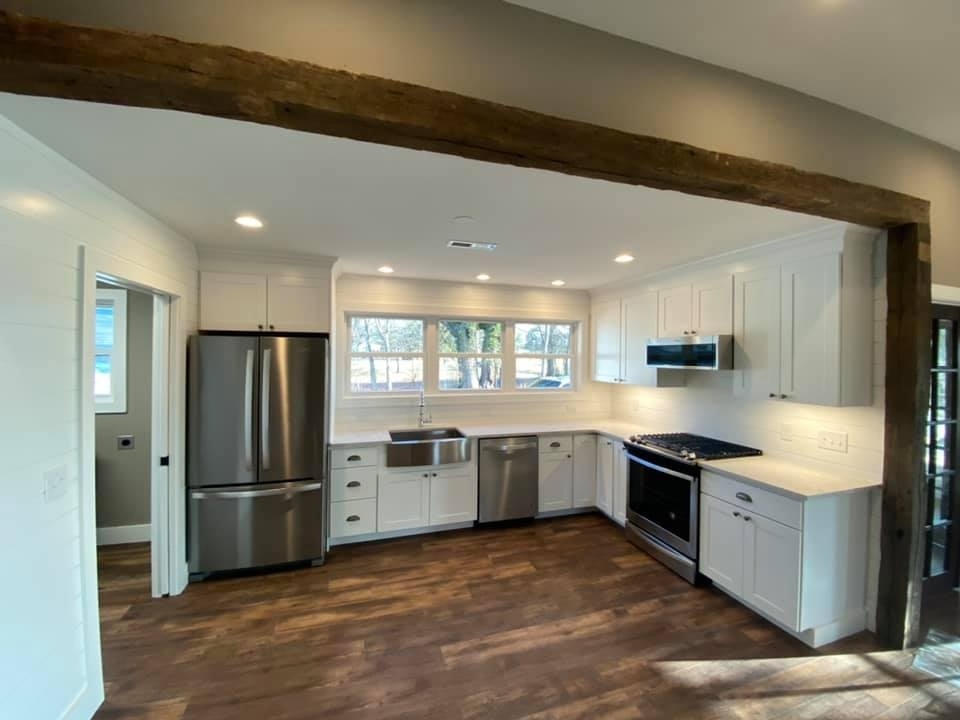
pixel 256 439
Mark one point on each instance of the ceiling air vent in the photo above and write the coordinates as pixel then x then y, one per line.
pixel 466 245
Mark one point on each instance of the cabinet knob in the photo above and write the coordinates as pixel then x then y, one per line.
pixel 569 456
pixel 746 518
pixel 736 514
pixel 260 327
pixel 426 474
pixel 353 483
pixel 434 474
pixel 686 332
pixel 271 327
pixel 783 397
pixel 353 518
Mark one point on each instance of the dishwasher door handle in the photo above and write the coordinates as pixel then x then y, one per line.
pixel 509 449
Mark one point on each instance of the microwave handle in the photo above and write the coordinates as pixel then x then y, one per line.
pixel 645 463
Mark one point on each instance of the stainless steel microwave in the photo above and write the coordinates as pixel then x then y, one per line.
pixel 691 352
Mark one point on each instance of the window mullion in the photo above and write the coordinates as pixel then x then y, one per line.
pixel 431 362
pixel 509 357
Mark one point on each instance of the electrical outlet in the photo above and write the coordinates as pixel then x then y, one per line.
pixel 125 442
pixel 55 483
pixel 786 432
pixel 833 441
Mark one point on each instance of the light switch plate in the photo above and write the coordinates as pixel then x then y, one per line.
pixel 832 441
pixel 55 483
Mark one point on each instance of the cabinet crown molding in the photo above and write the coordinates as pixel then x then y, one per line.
pixel 217 260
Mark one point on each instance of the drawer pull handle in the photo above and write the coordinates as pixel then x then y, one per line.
pixel 743 496
pixel 353 483
pixel 555 444
pixel 353 518
pixel 354 458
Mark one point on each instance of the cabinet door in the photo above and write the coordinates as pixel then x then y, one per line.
pixel 298 304
pixel 606 341
pixel 674 316
pixel 756 333
pixel 231 301
pixel 584 470
pixel 639 325
pixel 556 482
pixel 771 574
pixel 605 454
pixel 453 496
pixel 620 485
pixel 722 531
pixel 810 337
pixel 713 307
pixel 403 501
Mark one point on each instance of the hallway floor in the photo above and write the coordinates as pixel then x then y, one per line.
pixel 557 619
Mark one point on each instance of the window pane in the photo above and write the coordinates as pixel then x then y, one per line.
pixel 104 326
pixel 543 338
pixel 543 373
pixel 388 335
pixel 101 375
pixel 946 344
pixel 380 374
pixel 470 336
pixel 942 390
pixel 470 373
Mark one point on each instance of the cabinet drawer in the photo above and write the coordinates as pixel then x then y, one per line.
pixel 781 508
pixel 353 517
pixel 556 443
pixel 348 457
pixel 353 483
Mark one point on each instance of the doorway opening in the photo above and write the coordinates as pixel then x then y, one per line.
pixel 131 400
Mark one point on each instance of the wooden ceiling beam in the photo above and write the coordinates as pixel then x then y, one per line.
pixel 48 58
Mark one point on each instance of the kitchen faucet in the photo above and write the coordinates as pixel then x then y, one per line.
pixel 425 417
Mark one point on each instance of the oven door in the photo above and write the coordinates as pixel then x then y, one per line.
pixel 663 500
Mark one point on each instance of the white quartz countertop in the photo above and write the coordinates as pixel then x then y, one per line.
pixel 612 428
pixel 793 476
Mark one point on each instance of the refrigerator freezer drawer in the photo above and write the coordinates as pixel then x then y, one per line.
pixel 255 525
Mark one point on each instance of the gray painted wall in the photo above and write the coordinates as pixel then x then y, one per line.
pixel 123 476
pixel 492 50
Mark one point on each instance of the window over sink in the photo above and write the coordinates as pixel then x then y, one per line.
pixel 404 355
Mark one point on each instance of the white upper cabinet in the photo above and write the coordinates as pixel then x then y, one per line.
pixel 803 330
pixel 704 307
pixel 298 304
pixel 756 331
pixel 233 301
pixel 605 318
pixel 269 297
pixel 639 325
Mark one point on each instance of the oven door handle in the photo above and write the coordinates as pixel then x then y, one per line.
pixel 652 466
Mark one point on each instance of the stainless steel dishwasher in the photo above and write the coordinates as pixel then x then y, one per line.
pixel 508 478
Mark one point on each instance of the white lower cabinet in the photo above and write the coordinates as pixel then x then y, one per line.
pixel 453 496
pixel 353 517
pixel 801 562
pixel 403 500
pixel 584 471
pixel 620 470
pixel 606 452
pixel 556 481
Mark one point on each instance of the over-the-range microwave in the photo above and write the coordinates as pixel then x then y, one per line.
pixel 691 352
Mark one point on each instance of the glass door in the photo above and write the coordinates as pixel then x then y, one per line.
pixel 942 551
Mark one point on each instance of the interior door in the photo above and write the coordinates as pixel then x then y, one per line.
pixel 942 546
pixel 222 406
pixel 293 386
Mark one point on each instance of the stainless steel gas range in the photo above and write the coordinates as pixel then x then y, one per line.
pixel 663 494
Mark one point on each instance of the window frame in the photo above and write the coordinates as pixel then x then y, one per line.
pixel 501 356
pixel 116 402
pixel 570 357
pixel 431 357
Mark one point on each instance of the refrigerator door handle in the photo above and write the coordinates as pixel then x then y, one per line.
pixel 248 412
pixel 239 494
pixel 265 410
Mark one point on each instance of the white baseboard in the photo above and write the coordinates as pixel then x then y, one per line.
pixel 123 534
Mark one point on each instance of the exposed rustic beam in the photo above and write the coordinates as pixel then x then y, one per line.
pixel 905 409
pixel 43 57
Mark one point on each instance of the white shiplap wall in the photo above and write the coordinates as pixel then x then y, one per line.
pixel 361 293
pixel 49 209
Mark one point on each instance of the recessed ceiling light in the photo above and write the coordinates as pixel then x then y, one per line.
pixel 558 283
pixel 483 277
pixel 386 269
pixel 624 258
pixel 249 221
pixel 463 219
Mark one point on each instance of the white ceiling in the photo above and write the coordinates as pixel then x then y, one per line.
pixel 372 205
pixel 895 60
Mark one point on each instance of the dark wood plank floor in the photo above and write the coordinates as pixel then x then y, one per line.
pixel 559 619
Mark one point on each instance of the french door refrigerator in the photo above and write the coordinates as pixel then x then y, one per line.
pixel 256 439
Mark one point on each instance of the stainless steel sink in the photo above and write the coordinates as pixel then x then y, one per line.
pixel 427 446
